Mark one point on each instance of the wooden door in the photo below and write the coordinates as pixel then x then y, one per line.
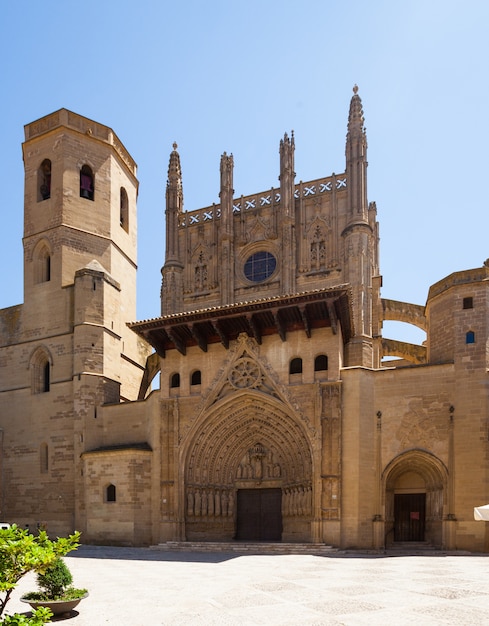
pixel 259 515
pixel 409 516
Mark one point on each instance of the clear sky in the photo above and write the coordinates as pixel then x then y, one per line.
pixel 235 75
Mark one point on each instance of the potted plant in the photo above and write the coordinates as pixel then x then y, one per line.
pixel 22 552
pixel 56 592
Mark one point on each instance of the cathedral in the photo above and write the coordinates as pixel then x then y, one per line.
pixel 282 413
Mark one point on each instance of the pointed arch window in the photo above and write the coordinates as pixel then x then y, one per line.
pixel 44 181
pixel 86 183
pixel 124 210
pixel 175 380
pixel 40 367
pixel 110 493
pixel 42 264
pixel 470 337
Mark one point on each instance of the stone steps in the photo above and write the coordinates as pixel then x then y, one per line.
pixel 244 547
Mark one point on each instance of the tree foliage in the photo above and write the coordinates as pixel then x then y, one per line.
pixel 20 553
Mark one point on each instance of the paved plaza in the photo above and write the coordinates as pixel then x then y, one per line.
pixel 142 587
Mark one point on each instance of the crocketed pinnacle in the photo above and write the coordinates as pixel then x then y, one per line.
pixel 355 117
pixel 174 169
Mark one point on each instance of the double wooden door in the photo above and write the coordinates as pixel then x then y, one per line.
pixel 409 516
pixel 259 515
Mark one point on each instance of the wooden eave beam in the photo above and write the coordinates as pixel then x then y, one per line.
pixel 220 333
pixel 305 319
pixel 157 343
pixel 199 337
pixel 332 316
pixel 254 328
pixel 179 344
pixel 279 325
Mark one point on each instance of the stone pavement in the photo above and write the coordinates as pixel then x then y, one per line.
pixel 142 587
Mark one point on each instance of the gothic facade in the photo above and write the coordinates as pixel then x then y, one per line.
pixel 278 416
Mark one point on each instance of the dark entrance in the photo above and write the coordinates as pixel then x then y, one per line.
pixel 259 515
pixel 409 516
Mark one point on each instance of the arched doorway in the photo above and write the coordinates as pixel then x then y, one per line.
pixel 248 473
pixel 415 493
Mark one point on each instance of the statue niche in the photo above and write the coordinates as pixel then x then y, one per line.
pixel 318 245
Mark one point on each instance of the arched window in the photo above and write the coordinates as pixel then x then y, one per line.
pixel 295 366
pixel 44 181
pixel 110 493
pixel 86 183
pixel 321 363
pixel 470 337
pixel 124 210
pixel 44 458
pixel 40 367
pixel 195 379
pixel 175 380
pixel 42 263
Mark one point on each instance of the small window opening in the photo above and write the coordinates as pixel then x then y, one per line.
pixel 468 303
pixel 124 210
pixel 46 377
pixel 44 181
pixel 86 183
pixel 110 493
pixel 195 378
pixel 44 458
pixel 47 268
pixel 175 380
pixel 295 366
pixel 470 337
pixel 321 363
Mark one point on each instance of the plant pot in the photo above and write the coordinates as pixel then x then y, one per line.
pixel 58 607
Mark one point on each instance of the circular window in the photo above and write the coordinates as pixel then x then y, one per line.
pixel 260 266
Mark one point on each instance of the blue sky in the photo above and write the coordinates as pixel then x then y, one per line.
pixel 234 76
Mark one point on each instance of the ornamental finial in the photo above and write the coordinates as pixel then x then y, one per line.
pixel 355 88
pixel 175 145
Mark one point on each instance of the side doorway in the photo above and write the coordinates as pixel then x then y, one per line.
pixel 409 516
pixel 259 515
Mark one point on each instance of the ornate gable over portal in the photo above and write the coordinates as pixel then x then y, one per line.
pixel 247 433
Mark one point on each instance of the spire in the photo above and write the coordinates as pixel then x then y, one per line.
pixel 287 174
pixel 356 161
pixel 355 118
pixel 226 193
pixel 174 205
pixel 174 170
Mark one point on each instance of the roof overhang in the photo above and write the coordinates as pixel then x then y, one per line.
pixel 258 318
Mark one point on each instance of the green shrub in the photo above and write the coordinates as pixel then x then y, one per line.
pixel 55 579
pixel 22 552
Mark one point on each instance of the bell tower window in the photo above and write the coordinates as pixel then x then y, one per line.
pixel 86 183
pixel 44 181
pixel 124 210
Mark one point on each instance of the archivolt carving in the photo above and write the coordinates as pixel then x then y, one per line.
pixel 248 440
pixel 239 424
